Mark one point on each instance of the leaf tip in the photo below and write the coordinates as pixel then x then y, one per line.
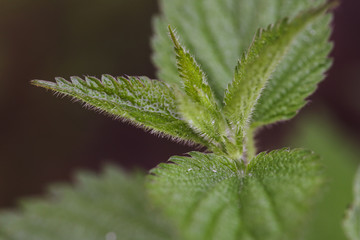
pixel 173 37
pixel 41 83
pixel 35 82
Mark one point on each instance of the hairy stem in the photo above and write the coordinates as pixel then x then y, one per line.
pixel 250 148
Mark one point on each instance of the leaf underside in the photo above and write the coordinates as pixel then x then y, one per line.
pixel 218 32
pixel 143 102
pixel 111 207
pixel 208 198
pixel 352 220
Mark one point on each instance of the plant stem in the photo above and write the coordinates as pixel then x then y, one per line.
pixel 250 149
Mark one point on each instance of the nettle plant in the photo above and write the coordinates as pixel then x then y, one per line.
pixel 229 192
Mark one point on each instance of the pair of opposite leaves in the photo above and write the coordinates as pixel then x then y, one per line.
pixel 192 111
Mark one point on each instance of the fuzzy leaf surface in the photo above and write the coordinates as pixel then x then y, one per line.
pixel 144 102
pixel 352 221
pixel 196 100
pixel 218 32
pixel 255 68
pixel 297 76
pixel 208 197
pixel 113 206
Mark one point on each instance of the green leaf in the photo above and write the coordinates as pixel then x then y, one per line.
pixel 113 206
pixel 257 65
pixel 194 81
pixel 352 221
pixel 340 156
pixel 146 103
pixel 209 197
pixel 297 75
pixel 197 103
pixel 219 31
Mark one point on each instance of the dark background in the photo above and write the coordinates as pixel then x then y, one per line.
pixel 44 139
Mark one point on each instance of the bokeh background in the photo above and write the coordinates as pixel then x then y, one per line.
pixel 46 139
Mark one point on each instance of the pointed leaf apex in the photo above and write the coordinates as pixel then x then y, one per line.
pixel 43 84
pixel 36 82
pixel 174 38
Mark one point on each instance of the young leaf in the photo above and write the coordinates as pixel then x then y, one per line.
pixel 352 221
pixel 219 31
pixel 297 75
pixel 208 197
pixel 147 103
pixel 256 66
pixel 197 103
pixel 194 81
pixel 113 206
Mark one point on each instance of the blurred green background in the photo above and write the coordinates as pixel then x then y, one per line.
pixel 45 139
